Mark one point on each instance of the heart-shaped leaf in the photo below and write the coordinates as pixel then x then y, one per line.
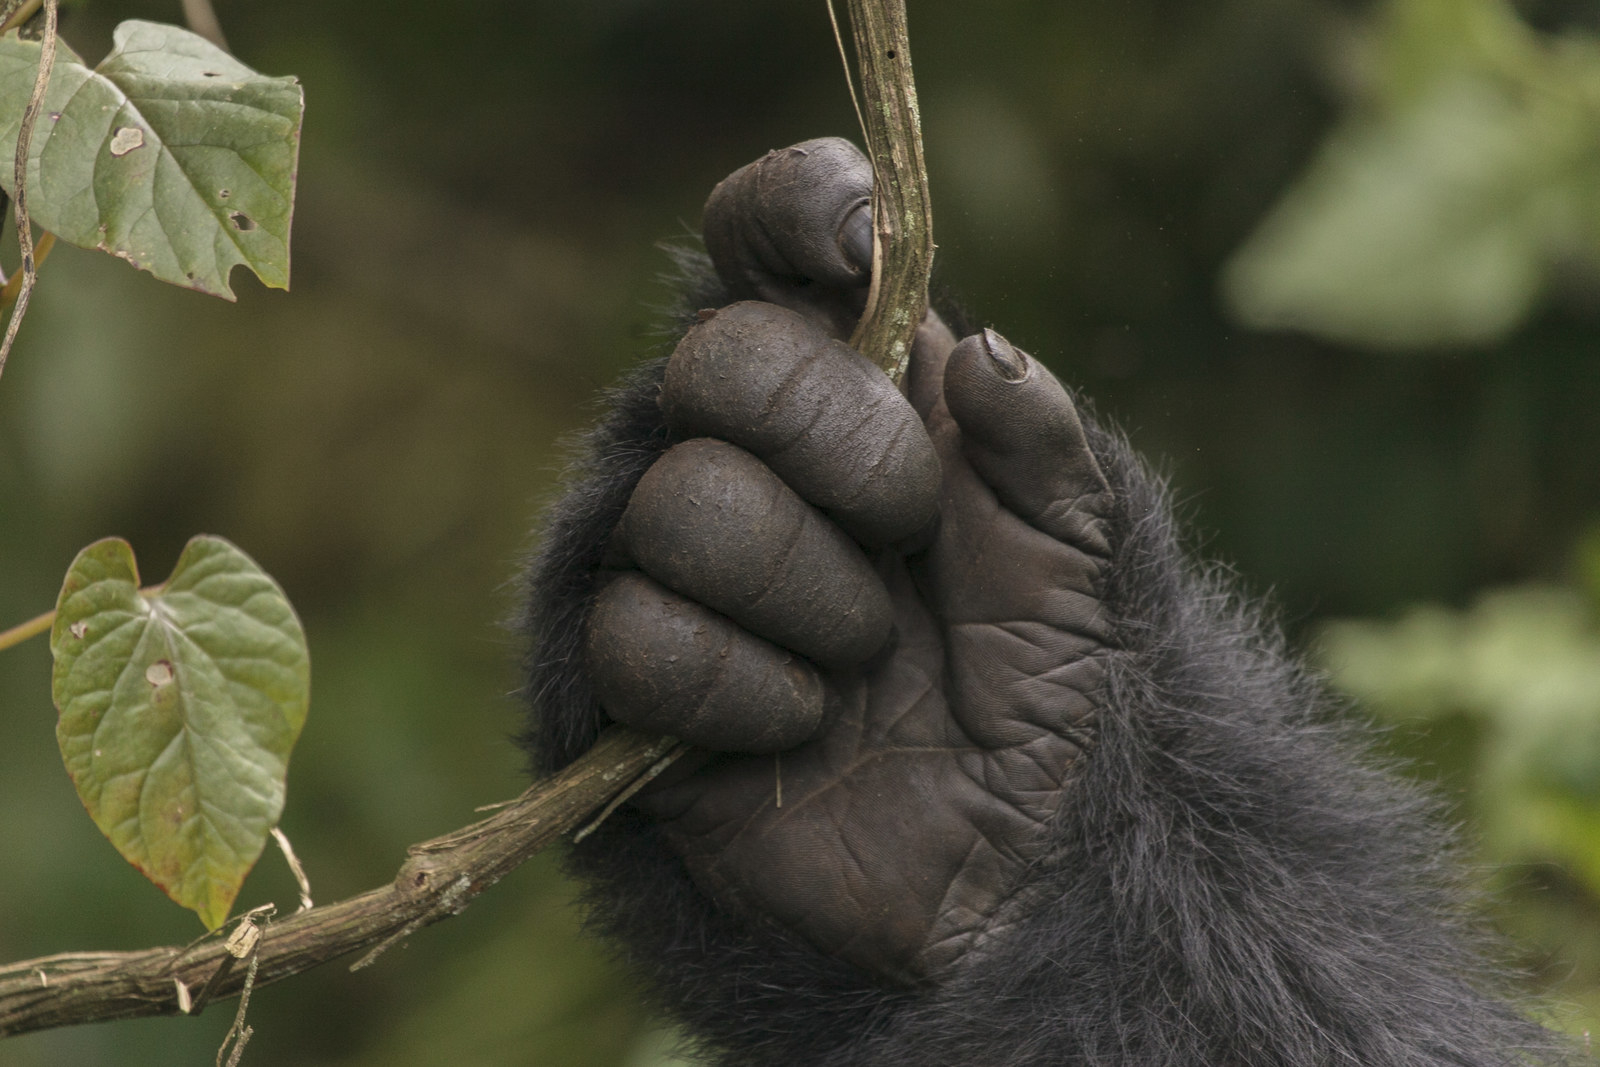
pixel 179 707
pixel 171 154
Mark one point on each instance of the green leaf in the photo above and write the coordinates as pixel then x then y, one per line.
pixel 179 708
pixel 171 154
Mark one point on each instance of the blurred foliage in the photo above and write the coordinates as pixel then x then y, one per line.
pixel 1501 701
pixel 1465 183
pixel 477 206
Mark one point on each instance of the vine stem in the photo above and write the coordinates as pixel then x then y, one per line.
pixel 30 117
pixel 902 213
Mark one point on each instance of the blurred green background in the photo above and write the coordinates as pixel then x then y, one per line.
pixel 1333 265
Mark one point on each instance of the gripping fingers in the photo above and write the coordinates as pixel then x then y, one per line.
pixel 795 228
pixel 662 663
pixel 812 409
pixel 711 522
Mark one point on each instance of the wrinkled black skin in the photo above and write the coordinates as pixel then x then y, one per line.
pixel 1237 880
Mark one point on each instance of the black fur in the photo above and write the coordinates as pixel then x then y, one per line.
pixel 1237 881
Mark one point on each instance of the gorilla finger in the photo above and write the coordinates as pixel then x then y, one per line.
pixel 711 522
pixel 663 663
pixel 827 421
pixel 1021 432
pixel 795 228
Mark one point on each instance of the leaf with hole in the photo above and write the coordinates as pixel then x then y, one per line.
pixel 179 707
pixel 170 154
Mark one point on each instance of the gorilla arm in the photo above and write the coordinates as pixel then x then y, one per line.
pixel 1051 792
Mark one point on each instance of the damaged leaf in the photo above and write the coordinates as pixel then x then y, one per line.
pixel 170 154
pixel 179 707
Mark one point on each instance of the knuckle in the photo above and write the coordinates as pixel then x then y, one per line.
pixel 714 523
pixel 792 214
pixel 661 662
pixel 817 413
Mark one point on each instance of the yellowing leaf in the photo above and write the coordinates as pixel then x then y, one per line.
pixel 178 711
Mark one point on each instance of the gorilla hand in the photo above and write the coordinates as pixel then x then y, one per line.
pixel 920 711
pixel 1050 793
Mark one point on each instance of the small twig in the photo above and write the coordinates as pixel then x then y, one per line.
pixel 30 116
pixel 677 750
pixel 244 943
pixel 202 19
pixel 299 872
pixel 439 879
pixel 902 215
pixel 197 1002
pixel 240 942
pixel 248 1032
pixel 849 78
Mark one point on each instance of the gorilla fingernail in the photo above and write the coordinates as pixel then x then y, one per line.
pixel 1011 364
pixel 855 237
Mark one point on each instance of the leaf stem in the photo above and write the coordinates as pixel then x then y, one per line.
pixel 32 628
pixel 21 12
pixel 13 286
pixel 42 623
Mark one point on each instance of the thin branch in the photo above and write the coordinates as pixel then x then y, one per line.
pixel 30 116
pixel 438 879
pixel 902 214
pixel 677 750
pixel 243 943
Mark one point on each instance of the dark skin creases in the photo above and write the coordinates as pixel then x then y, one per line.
pixel 888 604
